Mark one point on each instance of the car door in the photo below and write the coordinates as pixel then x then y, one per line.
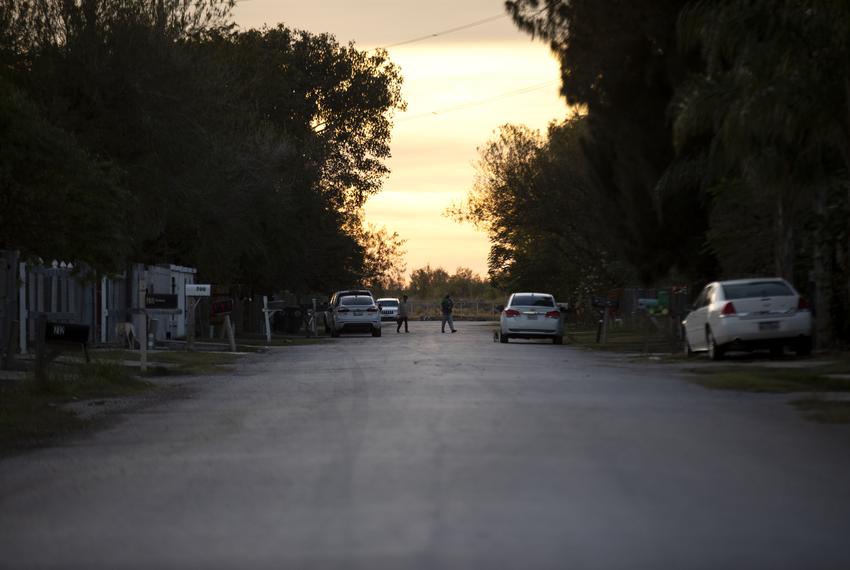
pixel 696 319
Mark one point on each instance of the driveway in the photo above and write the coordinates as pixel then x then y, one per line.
pixel 434 451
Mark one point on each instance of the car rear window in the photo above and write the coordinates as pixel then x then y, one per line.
pixel 532 301
pixel 357 301
pixel 757 289
pixel 389 303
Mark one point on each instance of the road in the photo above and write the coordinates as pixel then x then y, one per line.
pixel 433 451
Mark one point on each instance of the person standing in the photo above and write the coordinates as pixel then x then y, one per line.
pixel 447 305
pixel 401 316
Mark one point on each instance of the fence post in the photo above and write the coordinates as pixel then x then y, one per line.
pixel 228 325
pixel 41 350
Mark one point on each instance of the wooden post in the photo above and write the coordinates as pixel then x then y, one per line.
pixel 143 344
pixel 191 304
pixel 266 315
pixel 41 350
pixel 228 326
pixel 23 315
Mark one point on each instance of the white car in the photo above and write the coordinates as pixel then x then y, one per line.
pixel 531 315
pixel 388 307
pixel 355 313
pixel 747 314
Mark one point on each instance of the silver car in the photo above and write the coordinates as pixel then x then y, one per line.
pixel 355 313
pixel 747 314
pixel 531 315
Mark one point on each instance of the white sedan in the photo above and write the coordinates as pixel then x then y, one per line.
pixel 747 314
pixel 531 315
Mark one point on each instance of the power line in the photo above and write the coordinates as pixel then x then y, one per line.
pixel 469 104
pixel 449 31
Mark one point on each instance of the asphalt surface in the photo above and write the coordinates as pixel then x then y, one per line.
pixel 434 451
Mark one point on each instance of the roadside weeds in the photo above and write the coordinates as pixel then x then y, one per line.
pixel 33 414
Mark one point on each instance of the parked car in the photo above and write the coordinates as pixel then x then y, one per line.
pixel 531 315
pixel 748 314
pixel 354 313
pixel 334 301
pixel 388 307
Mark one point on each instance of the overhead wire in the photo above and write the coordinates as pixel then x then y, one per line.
pixel 478 102
pixel 448 31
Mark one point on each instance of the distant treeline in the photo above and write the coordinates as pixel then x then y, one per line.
pixel 432 283
pixel 706 140
pixel 156 131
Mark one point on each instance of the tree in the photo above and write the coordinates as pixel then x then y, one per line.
pixel 247 154
pixel 384 266
pixel 534 198
pixel 56 198
pixel 768 118
pixel 619 65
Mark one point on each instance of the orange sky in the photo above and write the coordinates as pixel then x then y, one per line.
pixel 459 88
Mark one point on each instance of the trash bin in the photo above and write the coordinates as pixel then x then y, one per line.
pixel 292 319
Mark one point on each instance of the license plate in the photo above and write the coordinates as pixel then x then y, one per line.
pixel 358 313
pixel 531 317
pixel 769 326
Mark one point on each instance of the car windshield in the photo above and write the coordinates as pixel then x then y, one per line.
pixel 532 301
pixel 388 303
pixel 359 301
pixel 757 289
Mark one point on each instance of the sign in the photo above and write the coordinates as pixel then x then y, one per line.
pixel 221 307
pixel 164 301
pixel 197 290
pixel 66 332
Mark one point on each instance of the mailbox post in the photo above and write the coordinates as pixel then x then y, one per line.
pixel 194 293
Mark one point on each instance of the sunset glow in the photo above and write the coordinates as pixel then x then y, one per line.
pixel 459 89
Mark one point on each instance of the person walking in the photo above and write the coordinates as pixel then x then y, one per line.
pixel 447 305
pixel 401 316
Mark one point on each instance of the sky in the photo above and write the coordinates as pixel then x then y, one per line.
pixel 459 88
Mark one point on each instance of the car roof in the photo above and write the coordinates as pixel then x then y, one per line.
pixel 531 293
pixel 752 280
pixel 388 299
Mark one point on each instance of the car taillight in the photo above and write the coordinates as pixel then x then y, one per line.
pixel 803 305
pixel 511 313
pixel 553 315
pixel 728 310
pixel 372 310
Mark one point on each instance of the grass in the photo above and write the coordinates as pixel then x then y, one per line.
pixel 621 340
pixel 824 411
pixel 32 413
pixel 198 362
pixel 769 380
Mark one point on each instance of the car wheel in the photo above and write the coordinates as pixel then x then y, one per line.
pixel 557 339
pixel 714 352
pixel 503 338
pixel 777 350
pixel 803 347
pixel 334 333
pixel 376 332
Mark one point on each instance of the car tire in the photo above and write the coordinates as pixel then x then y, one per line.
pixel 503 338
pixel 334 333
pixel 715 352
pixel 557 339
pixel 803 347
pixel 376 332
pixel 777 350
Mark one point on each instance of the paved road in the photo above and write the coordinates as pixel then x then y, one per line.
pixel 437 451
